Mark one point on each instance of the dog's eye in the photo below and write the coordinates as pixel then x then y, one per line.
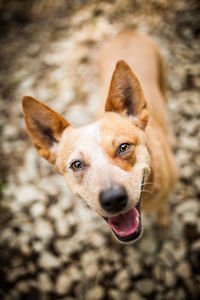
pixel 77 165
pixel 123 148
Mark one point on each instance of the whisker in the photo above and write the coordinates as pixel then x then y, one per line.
pixel 147 191
pixel 145 183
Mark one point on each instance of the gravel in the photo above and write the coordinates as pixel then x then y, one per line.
pixel 51 245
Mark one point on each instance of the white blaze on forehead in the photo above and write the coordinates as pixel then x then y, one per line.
pixel 88 142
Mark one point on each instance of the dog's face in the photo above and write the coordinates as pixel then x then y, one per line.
pixel 104 162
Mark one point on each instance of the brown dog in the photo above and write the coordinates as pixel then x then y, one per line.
pixel 108 162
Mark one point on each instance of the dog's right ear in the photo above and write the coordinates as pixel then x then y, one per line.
pixel 44 126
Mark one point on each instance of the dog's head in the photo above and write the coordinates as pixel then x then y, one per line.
pixel 105 162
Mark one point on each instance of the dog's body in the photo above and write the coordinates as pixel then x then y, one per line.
pixel 143 56
pixel 108 162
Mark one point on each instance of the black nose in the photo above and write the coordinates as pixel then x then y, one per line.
pixel 113 200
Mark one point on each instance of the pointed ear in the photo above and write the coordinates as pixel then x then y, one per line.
pixel 126 96
pixel 44 126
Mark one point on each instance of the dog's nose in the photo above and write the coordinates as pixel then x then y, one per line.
pixel 113 200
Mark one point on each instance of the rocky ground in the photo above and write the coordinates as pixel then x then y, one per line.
pixel 51 245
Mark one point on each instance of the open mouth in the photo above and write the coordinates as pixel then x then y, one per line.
pixel 127 227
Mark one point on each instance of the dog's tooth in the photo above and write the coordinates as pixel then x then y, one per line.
pixel 137 219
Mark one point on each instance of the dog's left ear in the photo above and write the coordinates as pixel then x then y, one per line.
pixel 126 96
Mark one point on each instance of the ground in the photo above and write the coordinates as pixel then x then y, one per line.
pixel 51 245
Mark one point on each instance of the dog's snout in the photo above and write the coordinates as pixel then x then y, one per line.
pixel 114 199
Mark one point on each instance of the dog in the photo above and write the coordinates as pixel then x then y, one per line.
pixel 123 160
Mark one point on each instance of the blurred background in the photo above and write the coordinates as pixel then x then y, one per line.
pixel 51 245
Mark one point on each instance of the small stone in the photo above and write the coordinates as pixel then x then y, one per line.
pixel 43 229
pixel 183 270
pixel 10 131
pixel 55 212
pixel 197 182
pixel 72 219
pixel 29 170
pixel 115 294
pixel 31 267
pixel 38 246
pixel 88 258
pixel 158 272
pixel 148 260
pixel 170 279
pixel 191 127
pixel 148 244
pixel 7 235
pixel 183 157
pixel 176 229
pixel 25 249
pixel 179 252
pixel 166 259
pixel 187 171
pixel 133 260
pixel 74 273
pixel 197 160
pixel 145 286
pixel 187 206
pixel 175 82
pixel 63 283
pixel 44 282
pixel 64 246
pixel 107 268
pixel 28 193
pixel 135 268
pixel 196 246
pixel 48 261
pixel 122 280
pixel 66 201
pixel 189 218
pixel 49 185
pixel 135 296
pixel 37 210
pixel 190 143
pixel 97 239
pixel 91 270
pixel 132 255
pixel 95 293
pixel 62 227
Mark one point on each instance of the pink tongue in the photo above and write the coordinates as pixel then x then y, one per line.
pixel 125 224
